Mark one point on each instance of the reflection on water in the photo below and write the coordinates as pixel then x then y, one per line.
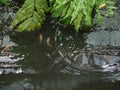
pixel 73 62
pixel 54 82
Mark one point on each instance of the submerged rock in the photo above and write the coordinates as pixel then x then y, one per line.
pixel 6 41
pixel 6 17
pixel 104 38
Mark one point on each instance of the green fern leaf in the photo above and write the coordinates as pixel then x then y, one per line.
pixel 77 21
pixel 73 12
pixel 30 16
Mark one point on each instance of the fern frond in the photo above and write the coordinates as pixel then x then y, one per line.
pixel 30 16
pixel 73 12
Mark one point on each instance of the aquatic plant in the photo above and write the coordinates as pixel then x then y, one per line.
pixel 72 12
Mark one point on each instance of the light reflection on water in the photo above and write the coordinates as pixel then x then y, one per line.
pixel 38 59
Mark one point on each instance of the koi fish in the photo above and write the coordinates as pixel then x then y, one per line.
pixel 47 41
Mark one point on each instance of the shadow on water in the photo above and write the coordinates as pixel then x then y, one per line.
pixel 83 61
pixel 53 82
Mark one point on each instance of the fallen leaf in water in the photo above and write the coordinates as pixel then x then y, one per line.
pixel 6 48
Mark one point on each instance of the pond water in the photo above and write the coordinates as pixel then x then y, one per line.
pixel 64 60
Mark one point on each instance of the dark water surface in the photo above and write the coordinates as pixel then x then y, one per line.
pixel 75 61
pixel 54 82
